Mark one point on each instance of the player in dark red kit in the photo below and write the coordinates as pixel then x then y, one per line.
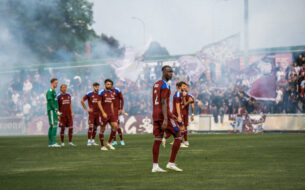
pixel 108 116
pixel 118 104
pixel 162 120
pixel 177 111
pixel 187 100
pixel 94 112
pixel 66 118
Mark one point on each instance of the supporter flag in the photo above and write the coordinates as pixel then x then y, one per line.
pixel 130 67
pixel 192 66
pixel 260 78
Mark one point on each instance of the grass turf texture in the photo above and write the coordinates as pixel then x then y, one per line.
pixel 213 161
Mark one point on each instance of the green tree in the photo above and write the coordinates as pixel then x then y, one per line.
pixel 52 29
pixel 155 50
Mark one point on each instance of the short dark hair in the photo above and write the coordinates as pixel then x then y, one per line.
pixel 53 80
pixel 96 84
pixel 182 82
pixel 108 80
pixel 165 66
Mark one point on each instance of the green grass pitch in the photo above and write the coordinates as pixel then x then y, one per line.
pixel 213 161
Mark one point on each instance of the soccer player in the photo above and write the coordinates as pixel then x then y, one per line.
pixel 66 118
pixel 118 104
pixel 53 113
pixel 94 112
pixel 108 116
pixel 162 118
pixel 187 100
pixel 177 111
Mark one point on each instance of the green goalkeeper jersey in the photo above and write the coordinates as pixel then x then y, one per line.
pixel 51 100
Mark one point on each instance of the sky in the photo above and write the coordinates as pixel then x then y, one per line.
pixel 185 26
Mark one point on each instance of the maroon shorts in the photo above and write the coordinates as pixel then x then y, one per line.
pixel 116 117
pixel 66 121
pixel 110 118
pixel 169 129
pixel 94 119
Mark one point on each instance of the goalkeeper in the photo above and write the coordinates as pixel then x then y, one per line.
pixel 53 113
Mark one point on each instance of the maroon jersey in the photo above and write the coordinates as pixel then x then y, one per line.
pixel 185 110
pixel 160 90
pixel 92 98
pixel 64 104
pixel 177 99
pixel 118 100
pixel 106 99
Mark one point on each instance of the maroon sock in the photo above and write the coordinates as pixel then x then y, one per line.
pixel 182 134
pixel 185 135
pixel 168 135
pixel 114 137
pixel 112 133
pixel 70 133
pixel 90 132
pixel 62 134
pixel 102 138
pixel 94 132
pixel 120 133
pixel 175 149
pixel 155 149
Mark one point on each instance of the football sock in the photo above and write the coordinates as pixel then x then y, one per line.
pixel 185 135
pixel 62 134
pixel 70 133
pixel 50 135
pixel 175 149
pixel 102 138
pixel 120 133
pixel 112 134
pixel 94 132
pixel 90 132
pixel 155 149
pixel 54 132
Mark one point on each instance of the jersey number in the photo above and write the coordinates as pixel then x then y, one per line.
pixel 156 101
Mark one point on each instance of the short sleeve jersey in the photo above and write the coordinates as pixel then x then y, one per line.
pixel 185 110
pixel 177 99
pixel 92 98
pixel 106 99
pixel 118 100
pixel 160 90
pixel 64 104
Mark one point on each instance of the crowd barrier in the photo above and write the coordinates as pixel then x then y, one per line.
pixel 142 124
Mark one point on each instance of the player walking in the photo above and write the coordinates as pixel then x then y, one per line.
pixel 66 118
pixel 108 116
pixel 93 111
pixel 118 104
pixel 162 120
pixel 53 113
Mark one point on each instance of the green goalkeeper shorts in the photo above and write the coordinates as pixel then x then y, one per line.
pixel 53 117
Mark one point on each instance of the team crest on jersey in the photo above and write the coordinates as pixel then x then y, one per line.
pixel 156 85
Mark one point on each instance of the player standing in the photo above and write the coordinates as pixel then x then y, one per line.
pixel 177 111
pixel 187 100
pixel 53 113
pixel 118 104
pixel 93 111
pixel 162 120
pixel 66 118
pixel 108 116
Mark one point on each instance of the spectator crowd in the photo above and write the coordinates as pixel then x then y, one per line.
pixel 24 93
